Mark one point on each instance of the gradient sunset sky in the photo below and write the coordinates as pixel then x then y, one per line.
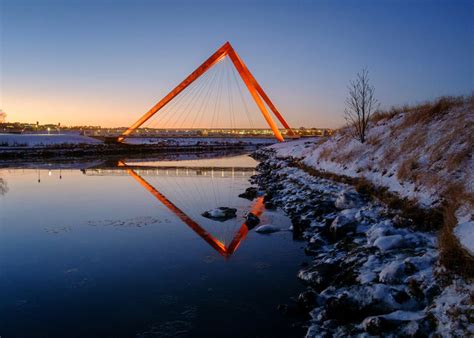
pixel 107 62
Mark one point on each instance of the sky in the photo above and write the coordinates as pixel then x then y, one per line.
pixel 107 62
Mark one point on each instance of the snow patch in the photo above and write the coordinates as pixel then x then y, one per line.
pixel 465 234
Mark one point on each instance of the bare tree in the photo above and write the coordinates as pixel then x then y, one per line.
pixel 360 105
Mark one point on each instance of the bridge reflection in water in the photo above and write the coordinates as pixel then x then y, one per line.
pixel 171 194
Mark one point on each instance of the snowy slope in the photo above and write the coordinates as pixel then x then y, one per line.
pixel 423 153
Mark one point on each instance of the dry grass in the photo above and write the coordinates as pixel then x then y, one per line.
pixel 325 153
pixel 425 111
pixel 374 141
pixel 407 171
pixel 431 146
pixel 452 255
pixel 433 110
pixel 381 115
pixel 456 160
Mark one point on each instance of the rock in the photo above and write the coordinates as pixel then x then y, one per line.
pixel 348 199
pixel 319 276
pixel 267 229
pixel 400 315
pixel 401 297
pixel 385 243
pixel 269 205
pixel 268 197
pixel 344 222
pixel 323 207
pixel 220 214
pixel 376 325
pixel 316 241
pixel 250 193
pixel 251 220
pixel 415 289
pixel 307 300
pixel 342 308
pixel 392 272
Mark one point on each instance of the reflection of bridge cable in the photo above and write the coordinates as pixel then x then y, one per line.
pixel 225 248
pixel 199 195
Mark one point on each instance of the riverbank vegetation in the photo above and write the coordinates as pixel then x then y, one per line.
pixel 421 153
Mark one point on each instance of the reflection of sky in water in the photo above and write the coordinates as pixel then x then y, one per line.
pixel 229 161
pixel 196 194
pixel 93 255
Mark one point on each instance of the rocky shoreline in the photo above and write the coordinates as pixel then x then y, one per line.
pixel 372 270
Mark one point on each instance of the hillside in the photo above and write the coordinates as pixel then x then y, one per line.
pixel 388 223
pixel 421 153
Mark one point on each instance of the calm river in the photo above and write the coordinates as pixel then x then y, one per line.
pixel 121 250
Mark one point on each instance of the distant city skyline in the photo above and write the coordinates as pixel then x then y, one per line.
pixel 106 62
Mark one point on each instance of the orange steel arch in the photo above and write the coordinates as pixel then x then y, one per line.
pixel 217 245
pixel 259 96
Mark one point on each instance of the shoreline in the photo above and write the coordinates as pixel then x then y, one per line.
pixel 374 270
pixel 9 155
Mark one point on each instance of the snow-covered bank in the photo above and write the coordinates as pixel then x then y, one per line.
pixel 44 140
pixel 371 271
pixel 423 153
pixel 465 233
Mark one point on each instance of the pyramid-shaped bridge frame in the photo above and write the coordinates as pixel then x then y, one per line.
pixel 258 94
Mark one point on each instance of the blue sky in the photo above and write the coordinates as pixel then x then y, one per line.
pixel 107 62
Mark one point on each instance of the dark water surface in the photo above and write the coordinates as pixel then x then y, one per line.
pixel 103 252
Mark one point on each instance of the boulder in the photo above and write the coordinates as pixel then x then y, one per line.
pixel 348 199
pixel 220 214
pixel 377 325
pixel 385 243
pixel 250 193
pixel 342 308
pixel 251 220
pixel 392 272
pixel 307 300
pixel 405 322
pixel 267 229
pixel 345 222
pixel 269 205
pixel 319 276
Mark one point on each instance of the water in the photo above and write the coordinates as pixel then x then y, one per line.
pixel 97 253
